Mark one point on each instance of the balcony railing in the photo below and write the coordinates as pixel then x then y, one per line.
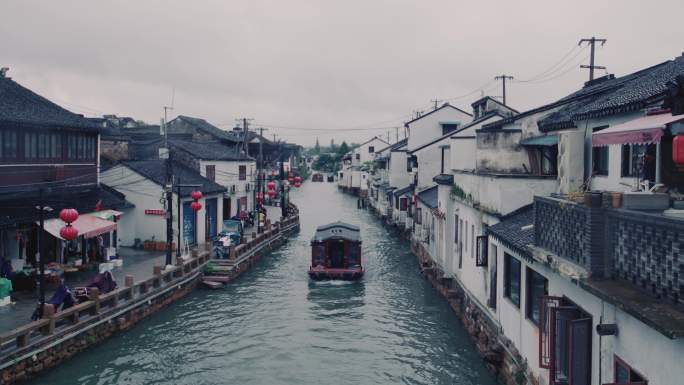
pixel 640 247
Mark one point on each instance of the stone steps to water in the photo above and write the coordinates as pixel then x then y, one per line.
pixel 211 284
pixel 217 278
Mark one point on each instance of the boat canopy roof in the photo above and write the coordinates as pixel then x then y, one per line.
pixel 337 230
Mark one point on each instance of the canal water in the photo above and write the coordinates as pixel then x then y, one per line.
pixel 274 326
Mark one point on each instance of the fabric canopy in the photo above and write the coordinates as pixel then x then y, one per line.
pixel 547 140
pixel 109 215
pixel 87 225
pixel 644 130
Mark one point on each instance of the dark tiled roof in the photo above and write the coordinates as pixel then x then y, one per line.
pixel 155 170
pixel 396 145
pixel 510 230
pixel 606 96
pixel 19 208
pixel 209 150
pixel 429 197
pixel 21 106
pixel 402 191
pixel 208 128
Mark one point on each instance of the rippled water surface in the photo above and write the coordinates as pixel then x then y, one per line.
pixel 274 326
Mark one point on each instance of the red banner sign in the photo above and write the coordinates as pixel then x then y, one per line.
pixel 155 212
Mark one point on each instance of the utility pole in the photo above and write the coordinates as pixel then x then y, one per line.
pixel 592 42
pixel 388 139
pixel 436 101
pixel 283 178
pixel 503 78
pixel 260 171
pixel 396 134
pixel 41 259
pixel 169 195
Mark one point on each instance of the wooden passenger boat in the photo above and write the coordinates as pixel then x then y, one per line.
pixel 336 252
pixel 317 177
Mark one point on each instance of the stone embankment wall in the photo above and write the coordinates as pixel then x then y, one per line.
pixel 33 348
pixel 499 354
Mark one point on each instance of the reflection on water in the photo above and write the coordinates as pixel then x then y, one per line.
pixel 341 299
pixel 275 326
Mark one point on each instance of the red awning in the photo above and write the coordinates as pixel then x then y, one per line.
pixel 88 226
pixel 644 130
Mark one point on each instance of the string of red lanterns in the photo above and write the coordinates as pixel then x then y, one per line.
pixel 68 216
pixel 271 187
pixel 196 196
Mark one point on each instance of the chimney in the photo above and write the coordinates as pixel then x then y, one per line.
pixel 3 72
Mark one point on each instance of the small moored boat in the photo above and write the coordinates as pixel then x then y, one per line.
pixel 317 177
pixel 336 252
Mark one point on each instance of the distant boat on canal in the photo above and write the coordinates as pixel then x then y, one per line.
pixel 336 252
pixel 317 177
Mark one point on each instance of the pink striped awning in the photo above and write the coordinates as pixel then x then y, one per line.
pixel 88 226
pixel 644 130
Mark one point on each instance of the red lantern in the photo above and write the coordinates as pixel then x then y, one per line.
pixel 272 193
pixel 196 195
pixel 68 232
pixel 678 150
pixel 271 185
pixel 68 215
pixel 259 197
pixel 298 179
pixel 196 206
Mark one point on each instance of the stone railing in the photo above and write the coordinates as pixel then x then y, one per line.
pixel 57 324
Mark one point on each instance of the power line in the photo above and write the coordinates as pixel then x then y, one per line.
pixel 557 65
pixel 571 67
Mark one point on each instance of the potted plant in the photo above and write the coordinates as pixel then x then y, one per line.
pixel 616 199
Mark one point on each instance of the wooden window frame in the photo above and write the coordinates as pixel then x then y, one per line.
pixel 456 227
pixel 508 258
pixel 210 175
pixel 617 361
pixel 529 299
pixel 553 311
pixel 493 276
pixel 481 254
pixel 403 204
pixel 242 172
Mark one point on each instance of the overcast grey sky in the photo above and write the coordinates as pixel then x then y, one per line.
pixel 318 64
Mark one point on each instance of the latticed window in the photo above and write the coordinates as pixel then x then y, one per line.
pixel 565 342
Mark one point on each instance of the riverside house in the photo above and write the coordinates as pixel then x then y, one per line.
pixel 49 155
pixel 579 293
pixel 143 183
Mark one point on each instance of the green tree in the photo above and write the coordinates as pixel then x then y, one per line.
pixel 344 148
pixel 332 145
pixel 317 147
